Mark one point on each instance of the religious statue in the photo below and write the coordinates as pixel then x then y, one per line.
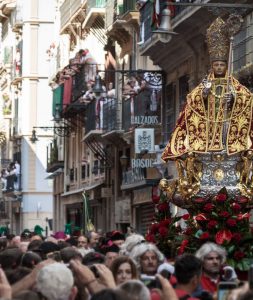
pixel 216 120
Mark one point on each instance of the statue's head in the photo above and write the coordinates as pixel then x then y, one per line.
pixel 218 46
pixel 219 68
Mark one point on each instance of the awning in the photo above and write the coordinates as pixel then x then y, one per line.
pixel 83 189
pixel 72 192
pixel 55 173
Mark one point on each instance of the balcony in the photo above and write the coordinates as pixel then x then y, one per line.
pixel 70 10
pixel 95 9
pixel 136 177
pixel 97 116
pixel 141 103
pixel 120 17
pixel 53 162
pixel 186 21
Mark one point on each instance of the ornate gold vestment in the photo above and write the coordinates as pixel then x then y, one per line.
pixel 200 126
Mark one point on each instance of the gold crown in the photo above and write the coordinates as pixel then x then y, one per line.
pixel 218 40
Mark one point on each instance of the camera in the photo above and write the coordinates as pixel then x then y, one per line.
pixel 224 289
pixel 94 270
pixel 151 282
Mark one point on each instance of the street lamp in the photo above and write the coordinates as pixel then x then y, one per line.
pixel 98 88
pixel 123 161
pixel 165 32
pixel 62 131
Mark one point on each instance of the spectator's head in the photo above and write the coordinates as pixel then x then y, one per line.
pixel 69 253
pixel 93 238
pixel 110 294
pixel 92 258
pixel 123 269
pixel 82 242
pixel 15 241
pixel 34 245
pixel 48 249
pixel 188 270
pixel 110 252
pixel 147 257
pixel 72 241
pixel 30 259
pixel 36 237
pixel 135 290
pixel 130 242
pixel 212 257
pixel 56 282
pixel 10 258
pixel 117 238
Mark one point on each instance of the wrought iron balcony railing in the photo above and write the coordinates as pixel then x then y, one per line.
pixel 110 115
pixel 53 162
pixel 102 114
pixel 133 176
pixel 68 9
pixel 129 5
pixel 136 111
pixel 95 4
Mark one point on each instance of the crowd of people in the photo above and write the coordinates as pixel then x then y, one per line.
pixel 110 266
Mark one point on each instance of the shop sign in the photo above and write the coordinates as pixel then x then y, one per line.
pixel 142 120
pixel 144 140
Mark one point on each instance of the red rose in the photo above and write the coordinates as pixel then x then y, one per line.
pixel 231 222
pixel 186 216
pixel 223 236
pixel 208 207
pixel 182 247
pixel 204 236
pixel 162 206
pixel 154 227
pixel 201 217
pixel 212 224
pixel 199 200
pixel 236 207
pixel 155 199
pixel 150 238
pixel 238 255
pixel 236 237
pixel 243 200
pixel 224 214
pixel 163 231
pixel 165 222
pixel 221 198
pixel 188 231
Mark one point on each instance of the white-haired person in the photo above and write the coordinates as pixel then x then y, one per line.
pixel 56 282
pixel 147 258
pixel 213 258
pixel 130 242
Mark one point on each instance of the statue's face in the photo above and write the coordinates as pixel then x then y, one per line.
pixel 219 68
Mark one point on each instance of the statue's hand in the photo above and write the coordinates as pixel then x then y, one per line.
pixel 229 99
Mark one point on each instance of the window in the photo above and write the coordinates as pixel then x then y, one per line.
pixel 170 98
pixel 95 167
pixel 83 171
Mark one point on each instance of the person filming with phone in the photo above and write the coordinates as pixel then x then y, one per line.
pixel 213 258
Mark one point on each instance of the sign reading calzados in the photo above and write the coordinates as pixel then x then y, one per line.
pixel 138 120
